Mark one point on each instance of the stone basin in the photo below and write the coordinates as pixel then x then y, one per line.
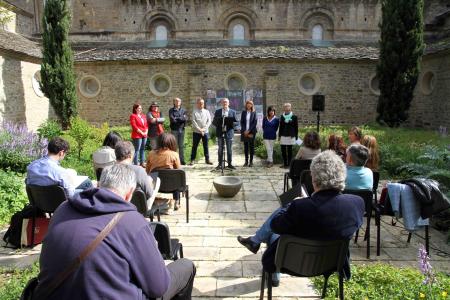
pixel 227 186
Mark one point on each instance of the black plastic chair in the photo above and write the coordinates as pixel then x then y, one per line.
pixel 306 181
pixel 44 198
pixel 98 173
pixel 288 196
pixel 168 247
pixel 140 201
pixel 308 258
pixel 376 181
pixel 367 196
pixel 174 180
pixel 295 169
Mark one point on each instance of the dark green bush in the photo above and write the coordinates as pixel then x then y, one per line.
pixel 12 194
pixel 381 281
pixel 49 130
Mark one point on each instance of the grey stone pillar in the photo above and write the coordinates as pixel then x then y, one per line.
pixel 271 88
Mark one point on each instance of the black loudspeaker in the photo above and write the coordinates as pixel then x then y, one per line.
pixel 318 102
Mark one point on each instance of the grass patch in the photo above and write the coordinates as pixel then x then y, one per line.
pixel 13 281
pixel 382 281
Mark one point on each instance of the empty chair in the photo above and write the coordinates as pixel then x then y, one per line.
pixel 145 206
pixel 169 248
pixel 45 198
pixel 295 170
pixel 367 196
pixel 306 181
pixel 308 258
pixel 172 181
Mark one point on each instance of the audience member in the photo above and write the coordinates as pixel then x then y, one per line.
pixel 139 130
pixel 201 120
pixel 47 171
pixel 178 118
pixel 155 122
pixel 358 176
pixel 287 134
pixel 355 135
pixel 126 265
pixel 374 155
pixel 336 143
pixel 124 153
pixel 165 157
pixel 326 215
pixel 310 147
pixel 248 131
pixel 270 127
pixel 104 156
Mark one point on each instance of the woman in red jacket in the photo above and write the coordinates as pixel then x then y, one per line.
pixel 139 129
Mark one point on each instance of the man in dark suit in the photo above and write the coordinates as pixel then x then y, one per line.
pixel 326 215
pixel 225 112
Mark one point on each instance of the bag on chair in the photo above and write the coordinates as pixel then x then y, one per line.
pixel 13 236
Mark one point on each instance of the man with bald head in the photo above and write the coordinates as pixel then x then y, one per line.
pixel 227 131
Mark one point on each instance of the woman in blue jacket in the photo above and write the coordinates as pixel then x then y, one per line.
pixel 248 131
pixel 270 128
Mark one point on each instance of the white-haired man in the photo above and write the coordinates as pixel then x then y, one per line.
pixel 125 265
pixel 326 215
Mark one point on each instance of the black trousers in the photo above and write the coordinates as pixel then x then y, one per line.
pixel 196 137
pixel 182 273
pixel 249 148
pixel 286 152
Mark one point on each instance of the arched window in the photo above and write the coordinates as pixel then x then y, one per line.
pixel 238 32
pixel 317 32
pixel 161 33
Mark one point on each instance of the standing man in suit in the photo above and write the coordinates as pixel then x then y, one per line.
pixel 224 112
pixel 178 119
pixel 248 131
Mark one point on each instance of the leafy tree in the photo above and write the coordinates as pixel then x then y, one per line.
pixel 5 15
pixel 58 79
pixel 401 49
pixel 80 131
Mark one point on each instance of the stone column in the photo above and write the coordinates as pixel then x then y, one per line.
pixel 195 90
pixel 271 88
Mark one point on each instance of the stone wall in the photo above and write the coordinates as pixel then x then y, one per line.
pixel 349 100
pixel 132 20
pixel 18 99
pixel 431 107
pixel 23 18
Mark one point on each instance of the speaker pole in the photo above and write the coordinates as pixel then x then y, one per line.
pixel 318 121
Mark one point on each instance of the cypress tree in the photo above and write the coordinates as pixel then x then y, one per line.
pixel 401 49
pixel 58 79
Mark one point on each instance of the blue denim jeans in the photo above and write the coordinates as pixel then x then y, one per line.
pixel 139 150
pixel 196 137
pixel 229 143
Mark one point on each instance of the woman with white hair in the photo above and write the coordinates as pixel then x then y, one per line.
pixel 326 215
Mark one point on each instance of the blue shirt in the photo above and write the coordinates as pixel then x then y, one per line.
pixel 359 178
pixel 47 171
pixel 270 128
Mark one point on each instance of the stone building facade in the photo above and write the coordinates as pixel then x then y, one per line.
pixel 154 50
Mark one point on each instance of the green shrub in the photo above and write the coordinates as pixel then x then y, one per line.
pixel 19 147
pixel 381 281
pixel 98 134
pixel 49 130
pixel 80 131
pixel 12 194
pixel 14 281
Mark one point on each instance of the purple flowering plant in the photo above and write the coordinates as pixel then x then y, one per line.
pixel 19 146
pixel 427 270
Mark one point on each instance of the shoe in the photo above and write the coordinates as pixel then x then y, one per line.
pixel 249 244
pixel 250 164
pixel 246 164
pixel 275 283
pixel 191 163
pixel 208 162
pixel 219 167
pixel 269 165
pixel 231 167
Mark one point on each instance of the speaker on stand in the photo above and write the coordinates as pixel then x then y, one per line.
pixel 318 105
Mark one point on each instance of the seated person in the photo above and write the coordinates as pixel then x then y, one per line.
pixel 124 153
pixel 336 143
pixel 126 264
pixel 165 157
pixel 374 154
pixel 105 156
pixel 355 135
pixel 325 215
pixel 310 147
pixel 358 176
pixel 47 171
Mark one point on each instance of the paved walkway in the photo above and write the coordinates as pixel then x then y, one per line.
pixel 225 269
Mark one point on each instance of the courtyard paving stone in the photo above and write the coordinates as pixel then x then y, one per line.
pixel 225 269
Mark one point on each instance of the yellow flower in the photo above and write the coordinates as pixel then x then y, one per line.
pixel 444 294
pixel 366 298
pixel 421 295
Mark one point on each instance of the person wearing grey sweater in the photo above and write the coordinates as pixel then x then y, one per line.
pixel 201 120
